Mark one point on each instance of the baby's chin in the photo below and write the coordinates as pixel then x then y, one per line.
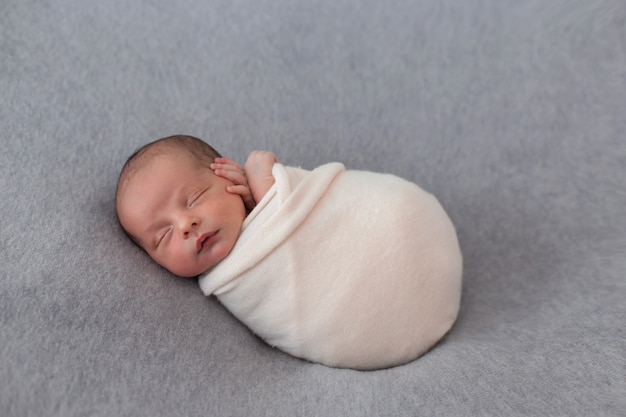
pixel 183 272
pixel 188 272
pixel 192 271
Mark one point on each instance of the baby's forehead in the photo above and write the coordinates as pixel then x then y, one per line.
pixel 154 155
pixel 149 158
pixel 130 177
pixel 177 167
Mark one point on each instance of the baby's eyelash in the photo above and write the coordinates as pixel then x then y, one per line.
pixel 161 237
pixel 196 195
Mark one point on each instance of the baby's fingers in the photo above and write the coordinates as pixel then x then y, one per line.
pixel 245 194
pixel 227 161
pixel 225 164
pixel 229 170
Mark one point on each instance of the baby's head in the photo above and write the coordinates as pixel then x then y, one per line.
pixel 173 206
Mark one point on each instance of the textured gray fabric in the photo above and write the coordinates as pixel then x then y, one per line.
pixel 512 112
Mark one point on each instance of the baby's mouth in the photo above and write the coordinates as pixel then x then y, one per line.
pixel 205 240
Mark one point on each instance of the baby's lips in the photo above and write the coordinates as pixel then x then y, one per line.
pixel 204 238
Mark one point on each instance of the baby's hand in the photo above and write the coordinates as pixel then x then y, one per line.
pixel 233 172
pixel 259 172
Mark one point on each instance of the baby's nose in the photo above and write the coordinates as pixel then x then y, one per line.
pixel 188 227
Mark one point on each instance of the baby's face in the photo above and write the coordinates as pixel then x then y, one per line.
pixel 181 214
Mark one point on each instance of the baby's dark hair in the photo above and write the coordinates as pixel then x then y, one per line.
pixel 201 152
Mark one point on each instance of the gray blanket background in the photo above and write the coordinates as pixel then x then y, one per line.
pixel 512 112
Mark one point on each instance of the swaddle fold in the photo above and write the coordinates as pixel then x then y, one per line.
pixel 350 269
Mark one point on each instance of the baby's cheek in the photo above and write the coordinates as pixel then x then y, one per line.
pixel 221 251
pixel 169 262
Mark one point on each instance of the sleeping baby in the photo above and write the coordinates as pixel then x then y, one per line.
pixel 350 269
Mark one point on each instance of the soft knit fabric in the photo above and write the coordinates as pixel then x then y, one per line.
pixel 345 268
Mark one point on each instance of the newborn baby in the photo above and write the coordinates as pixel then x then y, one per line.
pixel 350 269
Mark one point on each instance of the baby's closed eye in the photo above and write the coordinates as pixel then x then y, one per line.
pixel 195 196
pixel 161 236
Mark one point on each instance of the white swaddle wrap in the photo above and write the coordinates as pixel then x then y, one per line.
pixel 346 268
